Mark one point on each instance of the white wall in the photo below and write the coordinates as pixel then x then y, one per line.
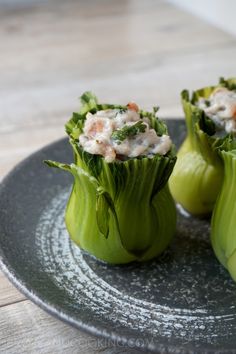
pixel 221 13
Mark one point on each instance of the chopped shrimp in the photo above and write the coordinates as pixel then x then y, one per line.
pixel 109 154
pixel 234 112
pixel 228 111
pixel 133 106
pixel 107 151
pixel 98 127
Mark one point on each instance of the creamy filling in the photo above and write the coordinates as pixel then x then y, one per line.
pixel 221 108
pixel 121 134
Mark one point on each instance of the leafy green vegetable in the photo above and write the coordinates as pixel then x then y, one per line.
pixel 119 211
pixel 129 131
pixel 229 84
pixel 198 173
pixel 223 223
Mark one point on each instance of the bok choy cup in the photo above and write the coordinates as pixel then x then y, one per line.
pixel 120 208
pixel 223 222
pixel 198 174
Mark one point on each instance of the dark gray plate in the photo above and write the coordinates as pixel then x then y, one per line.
pixel 183 302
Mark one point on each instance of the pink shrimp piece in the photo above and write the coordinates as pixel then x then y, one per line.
pixel 96 127
pixel 133 106
pixel 110 154
pixel 234 113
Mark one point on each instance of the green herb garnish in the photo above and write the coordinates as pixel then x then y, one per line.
pixel 230 84
pixel 121 111
pixel 129 131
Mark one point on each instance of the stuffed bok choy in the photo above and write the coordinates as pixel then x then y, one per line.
pixel 223 222
pixel 120 208
pixel 210 115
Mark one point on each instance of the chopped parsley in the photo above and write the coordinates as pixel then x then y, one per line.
pixel 128 131
pixel 121 111
pixel 229 84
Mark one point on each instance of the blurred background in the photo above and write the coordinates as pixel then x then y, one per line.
pixel 147 51
pixel 51 51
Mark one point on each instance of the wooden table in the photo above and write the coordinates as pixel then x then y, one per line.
pixel 50 52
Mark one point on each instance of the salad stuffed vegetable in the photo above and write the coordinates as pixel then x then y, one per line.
pixel 210 115
pixel 120 208
pixel 223 222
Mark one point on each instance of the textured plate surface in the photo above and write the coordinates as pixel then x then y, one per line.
pixel 183 302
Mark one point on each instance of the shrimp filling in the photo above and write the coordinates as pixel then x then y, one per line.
pixel 221 108
pixel 120 134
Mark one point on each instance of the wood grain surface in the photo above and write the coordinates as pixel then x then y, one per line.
pixel 50 52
